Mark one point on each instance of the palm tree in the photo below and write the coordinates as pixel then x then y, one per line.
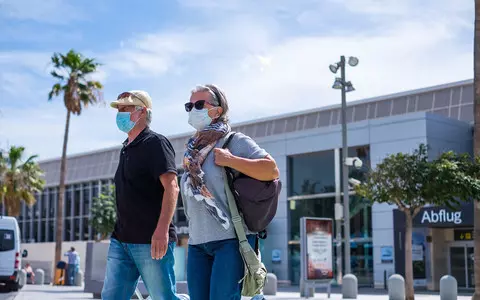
pixel 72 72
pixel 476 142
pixel 19 181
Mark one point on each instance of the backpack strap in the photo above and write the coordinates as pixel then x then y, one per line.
pixel 228 138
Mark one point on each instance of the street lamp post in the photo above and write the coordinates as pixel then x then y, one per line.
pixel 344 86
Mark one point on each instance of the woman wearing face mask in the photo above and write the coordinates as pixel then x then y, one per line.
pixel 215 265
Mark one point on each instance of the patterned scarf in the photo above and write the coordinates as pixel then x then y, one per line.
pixel 198 147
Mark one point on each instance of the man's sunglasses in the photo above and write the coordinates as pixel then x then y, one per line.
pixel 200 104
pixel 127 94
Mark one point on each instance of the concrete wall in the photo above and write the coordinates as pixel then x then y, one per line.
pixel 400 135
pixel 41 255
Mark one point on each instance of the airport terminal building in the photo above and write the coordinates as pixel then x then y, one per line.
pixel 307 148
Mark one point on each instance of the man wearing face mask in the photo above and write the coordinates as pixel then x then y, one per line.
pixel 144 238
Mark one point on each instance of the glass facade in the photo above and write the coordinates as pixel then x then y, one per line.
pixel 311 188
pixel 37 223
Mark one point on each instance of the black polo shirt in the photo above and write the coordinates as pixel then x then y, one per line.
pixel 139 192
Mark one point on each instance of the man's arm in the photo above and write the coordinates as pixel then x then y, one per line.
pixel 169 203
pixel 164 168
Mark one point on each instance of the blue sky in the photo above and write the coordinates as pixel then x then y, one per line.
pixel 166 47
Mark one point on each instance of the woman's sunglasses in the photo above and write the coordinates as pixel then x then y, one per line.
pixel 200 104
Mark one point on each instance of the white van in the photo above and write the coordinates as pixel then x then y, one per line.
pixel 10 258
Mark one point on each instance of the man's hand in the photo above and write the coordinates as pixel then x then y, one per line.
pixel 222 157
pixel 159 243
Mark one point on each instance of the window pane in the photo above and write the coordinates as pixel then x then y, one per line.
pixel 51 231
pixel 467 94
pixel 454 112
pixel 85 236
pixel 466 113
pixel 312 173
pixel 7 240
pixel 383 108
pixel 95 190
pixel 311 121
pixel 42 237
pixel 412 100
pixel 52 203
pixel 20 225
pixel 425 102
pixel 45 204
pixel 76 203
pixel 76 229
pixel 67 230
pixel 22 212
pixel 399 106
pixel 456 96
pixel 86 200
pixel 34 231
pixel 360 112
pixel 68 203
pixel 324 118
pixel 371 110
pixel 321 208
pixel 442 99
pixel 35 208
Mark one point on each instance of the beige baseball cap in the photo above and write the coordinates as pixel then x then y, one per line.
pixel 135 97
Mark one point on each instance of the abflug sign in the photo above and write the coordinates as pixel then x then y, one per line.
pixel 444 217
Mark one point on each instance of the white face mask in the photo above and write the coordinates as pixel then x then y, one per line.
pixel 199 119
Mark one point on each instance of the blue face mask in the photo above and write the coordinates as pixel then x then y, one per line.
pixel 123 122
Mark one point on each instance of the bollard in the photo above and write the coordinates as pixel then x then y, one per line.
pixel 349 287
pixel 396 287
pixel 271 285
pixel 306 290
pixel 448 288
pixel 22 278
pixel 39 277
pixel 79 278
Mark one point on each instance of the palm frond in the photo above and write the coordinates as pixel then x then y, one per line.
pixel 19 181
pixel 56 89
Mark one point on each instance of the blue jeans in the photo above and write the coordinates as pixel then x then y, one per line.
pixel 71 272
pixel 127 262
pixel 214 270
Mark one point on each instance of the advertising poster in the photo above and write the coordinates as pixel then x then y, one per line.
pixel 318 233
pixel 418 258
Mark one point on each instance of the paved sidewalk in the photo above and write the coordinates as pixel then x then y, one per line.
pixel 35 292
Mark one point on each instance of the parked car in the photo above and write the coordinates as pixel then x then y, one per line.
pixel 10 258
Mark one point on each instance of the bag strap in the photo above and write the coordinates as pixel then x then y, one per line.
pixel 236 218
pixel 228 139
pixel 248 254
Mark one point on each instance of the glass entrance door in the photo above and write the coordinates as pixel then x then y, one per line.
pixel 461 265
pixel 457 265
pixel 470 266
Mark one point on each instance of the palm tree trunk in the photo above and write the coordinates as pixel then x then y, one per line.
pixel 61 194
pixel 409 292
pixel 476 142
